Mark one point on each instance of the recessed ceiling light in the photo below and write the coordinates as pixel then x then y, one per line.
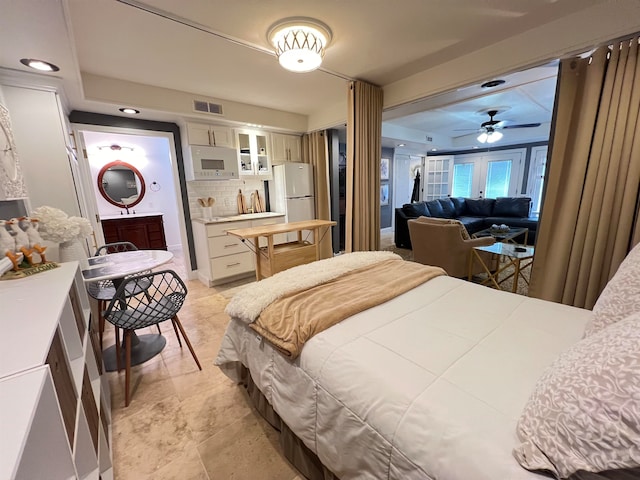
pixel 434 149
pixel 492 83
pixel 400 145
pixel 39 65
pixel 129 110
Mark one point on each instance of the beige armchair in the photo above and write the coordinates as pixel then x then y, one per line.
pixel 445 243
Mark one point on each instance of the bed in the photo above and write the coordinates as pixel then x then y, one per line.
pixel 430 384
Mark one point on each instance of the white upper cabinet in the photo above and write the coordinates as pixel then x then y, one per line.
pixel 254 149
pixel 213 135
pixel 285 148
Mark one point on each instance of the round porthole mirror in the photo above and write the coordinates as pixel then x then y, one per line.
pixel 121 184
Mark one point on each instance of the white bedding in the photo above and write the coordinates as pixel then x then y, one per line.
pixel 426 386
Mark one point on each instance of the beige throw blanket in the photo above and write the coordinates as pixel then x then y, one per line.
pixel 294 318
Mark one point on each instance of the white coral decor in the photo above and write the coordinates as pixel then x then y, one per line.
pixel 57 226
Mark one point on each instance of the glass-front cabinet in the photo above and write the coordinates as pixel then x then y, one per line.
pixel 254 154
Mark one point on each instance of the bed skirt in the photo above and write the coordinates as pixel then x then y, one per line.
pixel 310 466
pixel 294 449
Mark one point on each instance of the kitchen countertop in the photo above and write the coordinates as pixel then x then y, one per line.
pixel 130 215
pixel 236 218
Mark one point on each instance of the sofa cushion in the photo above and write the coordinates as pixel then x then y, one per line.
pixel 415 210
pixel 473 224
pixel 448 207
pixel 480 207
pixel 512 207
pixel 436 209
pixel 461 207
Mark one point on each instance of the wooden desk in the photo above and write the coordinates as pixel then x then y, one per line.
pixel 275 258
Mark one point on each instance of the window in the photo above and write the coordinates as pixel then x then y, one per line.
pixel 490 175
pixel 462 180
pixel 498 178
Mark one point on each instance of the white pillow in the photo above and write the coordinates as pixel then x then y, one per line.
pixel 620 297
pixel 584 413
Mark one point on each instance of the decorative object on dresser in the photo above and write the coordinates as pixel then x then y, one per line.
pixel 146 231
pixel 57 226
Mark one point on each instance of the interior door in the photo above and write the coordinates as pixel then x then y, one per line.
pixel 466 177
pixel 502 174
pixel 89 202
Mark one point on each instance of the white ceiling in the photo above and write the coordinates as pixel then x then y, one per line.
pixel 218 49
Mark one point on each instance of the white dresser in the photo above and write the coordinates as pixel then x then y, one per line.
pixel 54 401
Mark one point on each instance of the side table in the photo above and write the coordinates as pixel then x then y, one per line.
pixel 517 256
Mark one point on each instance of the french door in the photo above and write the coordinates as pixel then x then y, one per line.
pixel 490 175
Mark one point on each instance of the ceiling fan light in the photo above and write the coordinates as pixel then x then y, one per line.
pixel 494 137
pixel 299 44
pixel 483 137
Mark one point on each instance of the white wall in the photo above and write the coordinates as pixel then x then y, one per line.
pixel 40 142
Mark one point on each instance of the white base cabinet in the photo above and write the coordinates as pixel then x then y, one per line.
pixel 223 258
pixel 54 402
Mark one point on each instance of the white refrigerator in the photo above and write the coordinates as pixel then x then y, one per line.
pixel 293 195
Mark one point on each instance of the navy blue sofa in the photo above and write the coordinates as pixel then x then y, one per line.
pixel 475 213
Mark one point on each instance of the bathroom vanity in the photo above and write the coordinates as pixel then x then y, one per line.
pixel 144 230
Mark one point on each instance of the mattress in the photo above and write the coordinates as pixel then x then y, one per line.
pixel 426 386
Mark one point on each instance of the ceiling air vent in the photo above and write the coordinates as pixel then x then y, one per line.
pixel 206 107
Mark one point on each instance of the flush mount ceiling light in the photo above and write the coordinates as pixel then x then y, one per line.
pixel 299 43
pixel 129 110
pixel 39 65
pixel 490 136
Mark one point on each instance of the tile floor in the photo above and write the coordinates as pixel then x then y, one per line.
pixel 187 424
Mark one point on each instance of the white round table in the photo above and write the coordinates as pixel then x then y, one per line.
pixel 114 267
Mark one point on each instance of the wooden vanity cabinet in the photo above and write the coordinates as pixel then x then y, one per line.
pixel 146 233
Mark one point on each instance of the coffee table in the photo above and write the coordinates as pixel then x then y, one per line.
pixel 517 256
pixel 508 236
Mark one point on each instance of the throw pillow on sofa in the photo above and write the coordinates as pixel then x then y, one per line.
pixel 481 207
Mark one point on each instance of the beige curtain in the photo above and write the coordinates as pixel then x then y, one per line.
pixel 315 151
pixel 590 219
pixel 364 149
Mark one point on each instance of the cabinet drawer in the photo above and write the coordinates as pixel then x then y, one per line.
pixel 227 245
pixel 219 229
pixel 231 265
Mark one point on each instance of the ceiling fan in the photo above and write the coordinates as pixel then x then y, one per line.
pixel 489 130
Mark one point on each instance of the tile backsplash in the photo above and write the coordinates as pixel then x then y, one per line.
pixel 225 193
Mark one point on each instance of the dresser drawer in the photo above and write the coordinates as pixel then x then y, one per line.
pixel 226 245
pixel 231 265
pixel 219 229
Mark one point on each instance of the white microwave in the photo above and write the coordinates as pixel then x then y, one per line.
pixel 212 163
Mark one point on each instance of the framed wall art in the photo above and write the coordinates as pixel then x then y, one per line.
pixel 384 169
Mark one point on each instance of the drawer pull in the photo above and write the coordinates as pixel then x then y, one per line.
pixel 233 264
pixel 230 245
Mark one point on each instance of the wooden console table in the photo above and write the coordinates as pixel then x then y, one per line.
pixel 275 258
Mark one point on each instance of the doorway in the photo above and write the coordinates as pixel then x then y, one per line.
pixel 140 163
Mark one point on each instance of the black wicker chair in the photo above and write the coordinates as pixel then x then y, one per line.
pixel 161 296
